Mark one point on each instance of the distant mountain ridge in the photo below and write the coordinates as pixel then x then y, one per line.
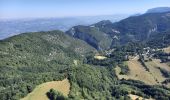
pixel 105 34
pixel 13 27
pixel 159 10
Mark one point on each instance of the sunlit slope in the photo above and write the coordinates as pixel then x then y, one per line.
pixel 39 93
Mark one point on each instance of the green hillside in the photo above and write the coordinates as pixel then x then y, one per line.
pixel 30 59
pixel 92 36
pixel 105 34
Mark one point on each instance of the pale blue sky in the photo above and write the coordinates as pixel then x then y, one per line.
pixel 71 8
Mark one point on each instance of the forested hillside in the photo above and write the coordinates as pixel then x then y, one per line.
pixel 30 59
pixel 132 29
pixel 106 60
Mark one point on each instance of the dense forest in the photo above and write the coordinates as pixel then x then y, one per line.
pixel 30 59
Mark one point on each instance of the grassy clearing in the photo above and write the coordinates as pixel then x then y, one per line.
pixel 161 65
pixel 39 93
pixel 137 72
pixel 153 67
pixel 100 57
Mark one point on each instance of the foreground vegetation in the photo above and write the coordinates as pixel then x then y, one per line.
pixel 41 91
pixel 31 59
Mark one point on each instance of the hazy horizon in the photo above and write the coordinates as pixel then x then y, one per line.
pixel 16 9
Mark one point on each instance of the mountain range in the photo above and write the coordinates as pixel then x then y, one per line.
pixel 16 26
pixel 107 60
pixel 159 10
pixel 105 34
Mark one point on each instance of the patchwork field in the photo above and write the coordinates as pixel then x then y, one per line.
pixel 39 93
pixel 138 72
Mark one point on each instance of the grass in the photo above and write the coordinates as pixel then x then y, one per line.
pixel 137 72
pixel 39 93
pixel 161 65
pixel 153 67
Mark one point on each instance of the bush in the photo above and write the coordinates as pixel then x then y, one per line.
pixel 55 95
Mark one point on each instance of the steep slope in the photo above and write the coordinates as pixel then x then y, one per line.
pixel 133 29
pixel 30 59
pixel 92 36
pixel 159 40
pixel 39 93
pixel 140 28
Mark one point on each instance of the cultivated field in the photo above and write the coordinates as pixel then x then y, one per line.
pixel 138 72
pixel 39 93
pixel 153 68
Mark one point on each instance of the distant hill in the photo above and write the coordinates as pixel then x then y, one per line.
pixel 13 27
pixel 159 10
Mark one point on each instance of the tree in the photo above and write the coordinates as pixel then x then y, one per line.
pixel 55 95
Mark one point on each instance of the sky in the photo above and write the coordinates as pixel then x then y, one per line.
pixel 11 9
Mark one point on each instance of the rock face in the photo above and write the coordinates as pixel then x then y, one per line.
pixel 105 34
